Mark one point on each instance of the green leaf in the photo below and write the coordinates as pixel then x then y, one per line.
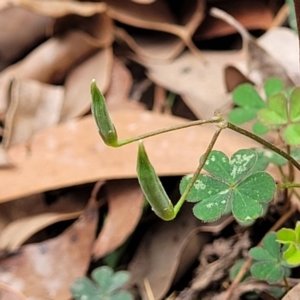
pixel 291 135
pixel 246 96
pixel 273 86
pixel 292 255
pixel 119 279
pixel 230 185
pixel 286 235
pixel 276 111
pixel 259 128
pixel 268 264
pixel 295 105
pixel 122 295
pixel 295 153
pixel 242 115
pixel 103 277
pixel 84 287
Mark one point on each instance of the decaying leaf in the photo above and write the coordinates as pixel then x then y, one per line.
pixel 293 293
pixel 77 86
pixel 181 243
pixel 58 8
pixel 73 153
pixel 33 106
pixel 7 293
pixel 47 269
pixel 125 207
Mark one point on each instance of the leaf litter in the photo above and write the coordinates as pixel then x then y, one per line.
pixel 51 151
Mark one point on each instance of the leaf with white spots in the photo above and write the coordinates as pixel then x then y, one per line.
pixel 231 186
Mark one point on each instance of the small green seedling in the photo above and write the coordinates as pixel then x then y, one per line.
pixel 106 285
pixel 290 238
pixel 230 185
pixel 268 263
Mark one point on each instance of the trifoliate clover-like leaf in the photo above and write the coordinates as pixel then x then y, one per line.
pixel 290 238
pixel 268 263
pixel 276 112
pixel 106 285
pixel 230 185
pixel 273 86
pixel 249 103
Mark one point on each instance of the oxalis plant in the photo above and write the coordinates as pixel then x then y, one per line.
pixel 237 185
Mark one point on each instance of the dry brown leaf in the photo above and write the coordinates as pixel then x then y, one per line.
pixel 4 159
pixel 261 64
pixel 7 293
pixel 18 232
pixel 255 14
pixel 201 84
pixel 73 153
pixel 157 16
pixel 166 251
pixel 57 9
pixel 50 61
pixel 15 38
pixel 293 294
pixel 234 77
pixel 125 207
pixel 47 269
pixel 77 97
pixel 283 44
pixel 33 106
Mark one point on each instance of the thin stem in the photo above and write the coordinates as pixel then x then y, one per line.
pixel 197 172
pixel 291 169
pixel 215 119
pixel 288 185
pixel 264 143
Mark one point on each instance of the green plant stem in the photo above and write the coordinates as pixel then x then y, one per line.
pixel 288 185
pixel 197 172
pixel 291 169
pixel 215 119
pixel 263 142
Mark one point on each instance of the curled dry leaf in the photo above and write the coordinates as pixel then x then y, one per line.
pixel 125 207
pixel 15 42
pixel 181 244
pixel 18 232
pixel 58 9
pixel 256 14
pixel 50 61
pixel 73 153
pixel 201 84
pixel 77 97
pixel 47 269
pixel 169 37
pixel 7 293
pixel 33 106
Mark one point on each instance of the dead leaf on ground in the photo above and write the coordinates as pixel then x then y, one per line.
pixel 199 83
pixel 7 293
pixel 73 153
pixel 293 294
pixel 33 106
pixel 255 14
pixel 125 207
pixel 4 159
pixel 166 252
pixel 57 8
pixel 165 37
pixel 15 42
pixel 50 62
pixel 47 269
pixel 77 86
pixel 18 232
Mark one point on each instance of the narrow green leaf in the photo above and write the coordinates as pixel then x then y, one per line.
pixel 291 135
pixel 241 115
pixel 295 105
pixel 286 235
pixel 245 95
pixel 273 86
